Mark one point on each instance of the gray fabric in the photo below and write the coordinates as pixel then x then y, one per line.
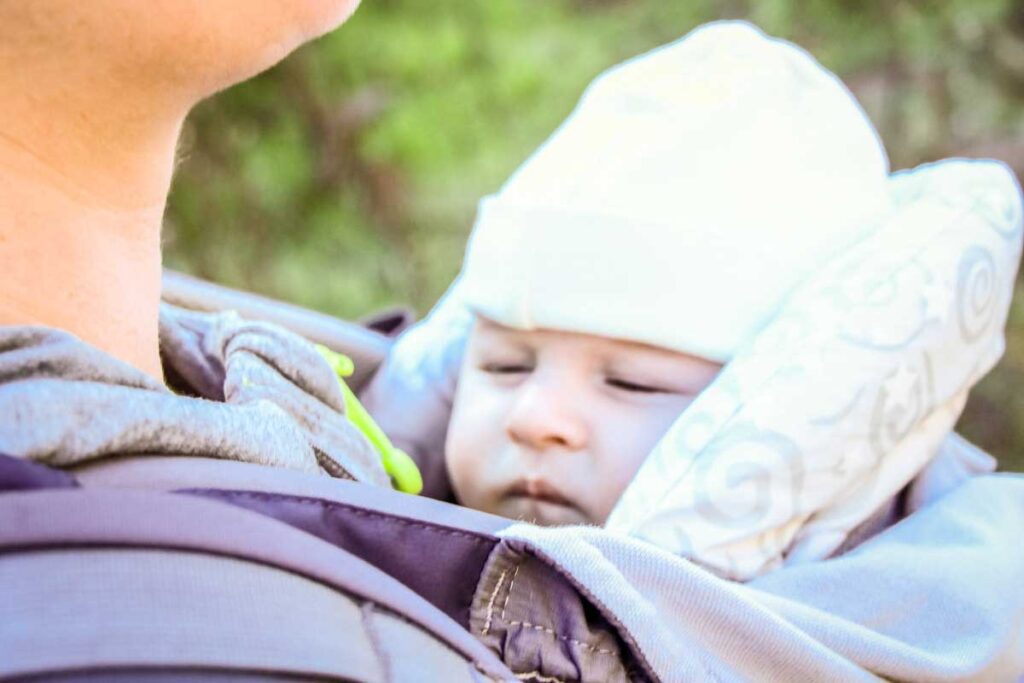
pixel 263 395
pixel 936 597
pixel 366 347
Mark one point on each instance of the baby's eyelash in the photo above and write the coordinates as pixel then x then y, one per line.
pixel 505 368
pixel 633 387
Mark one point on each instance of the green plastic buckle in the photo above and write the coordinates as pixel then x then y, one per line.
pixel 400 467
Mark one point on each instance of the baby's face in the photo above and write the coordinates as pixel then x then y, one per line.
pixel 550 427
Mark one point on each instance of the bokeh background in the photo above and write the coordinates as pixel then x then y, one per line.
pixel 346 178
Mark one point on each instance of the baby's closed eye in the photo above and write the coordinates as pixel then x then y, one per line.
pixel 636 387
pixel 506 368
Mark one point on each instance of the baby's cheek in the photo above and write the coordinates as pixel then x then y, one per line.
pixel 625 444
pixel 461 470
pixel 471 441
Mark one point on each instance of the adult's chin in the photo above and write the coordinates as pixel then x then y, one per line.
pixel 317 17
pixel 161 49
pixel 246 37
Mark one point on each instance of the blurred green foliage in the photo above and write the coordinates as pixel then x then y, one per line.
pixel 346 178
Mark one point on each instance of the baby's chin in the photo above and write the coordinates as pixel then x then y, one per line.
pixel 541 512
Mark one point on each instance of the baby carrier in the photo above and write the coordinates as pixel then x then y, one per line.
pixel 175 568
pixel 154 567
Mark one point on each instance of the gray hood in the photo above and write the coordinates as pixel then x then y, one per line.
pixel 246 391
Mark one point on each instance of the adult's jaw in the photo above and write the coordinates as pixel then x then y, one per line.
pixel 95 94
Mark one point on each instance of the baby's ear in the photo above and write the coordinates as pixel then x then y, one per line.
pixel 411 395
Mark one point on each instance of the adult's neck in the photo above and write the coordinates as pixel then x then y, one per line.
pixel 84 173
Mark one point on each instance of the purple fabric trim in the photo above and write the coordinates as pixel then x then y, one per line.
pixel 419 508
pixel 17 474
pixel 441 563
pixel 82 517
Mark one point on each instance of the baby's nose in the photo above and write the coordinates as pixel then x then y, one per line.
pixel 545 417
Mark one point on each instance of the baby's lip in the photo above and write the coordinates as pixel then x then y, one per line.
pixel 539 489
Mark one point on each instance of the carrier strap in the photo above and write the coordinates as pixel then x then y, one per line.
pixel 69 523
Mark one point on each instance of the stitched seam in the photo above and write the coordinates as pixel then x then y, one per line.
pixel 354 510
pixel 538 676
pixel 511 585
pixel 490 602
pixel 630 641
pixel 535 627
pixel 545 629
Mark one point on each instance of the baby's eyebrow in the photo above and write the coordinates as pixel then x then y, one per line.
pixel 490 330
pixel 622 354
pixel 499 341
pixel 493 329
pixel 656 371
pixel 632 366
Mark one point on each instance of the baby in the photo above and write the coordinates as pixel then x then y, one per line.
pixel 703 315
pixel 628 259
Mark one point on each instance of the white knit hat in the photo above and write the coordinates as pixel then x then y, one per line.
pixel 714 173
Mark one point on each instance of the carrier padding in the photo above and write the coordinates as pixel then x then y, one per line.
pixel 171 473
pixel 451 556
pixel 437 549
pixel 240 615
pixel 103 579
